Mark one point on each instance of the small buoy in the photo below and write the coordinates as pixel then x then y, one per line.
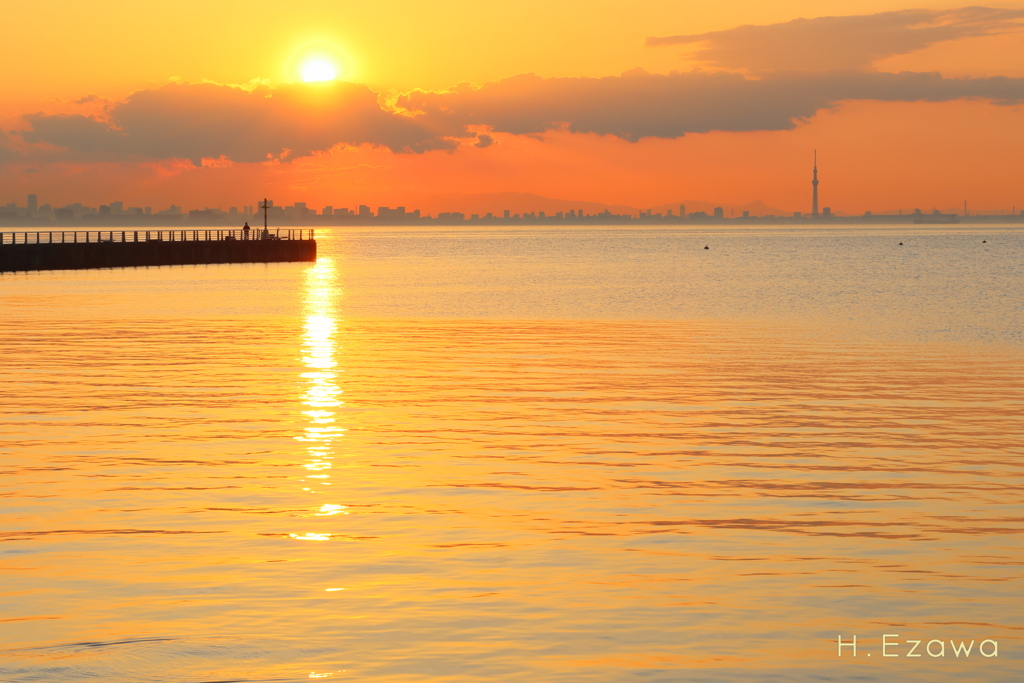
pixel 901 244
pixel 706 246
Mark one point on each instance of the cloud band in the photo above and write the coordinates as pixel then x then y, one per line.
pixel 196 121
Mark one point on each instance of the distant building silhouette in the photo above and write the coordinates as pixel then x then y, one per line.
pixel 814 185
pixel 388 212
pixel 300 213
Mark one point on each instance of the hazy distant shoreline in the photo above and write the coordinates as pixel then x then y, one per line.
pixel 184 222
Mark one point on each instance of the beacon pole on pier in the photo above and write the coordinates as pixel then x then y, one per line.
pixel 265 235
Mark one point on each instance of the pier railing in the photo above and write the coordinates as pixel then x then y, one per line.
pixel 90 236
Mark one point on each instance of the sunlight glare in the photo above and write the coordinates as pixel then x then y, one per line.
pixel 316 70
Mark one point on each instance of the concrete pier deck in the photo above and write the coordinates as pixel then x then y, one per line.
pixel 62 250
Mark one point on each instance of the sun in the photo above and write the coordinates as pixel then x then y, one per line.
pixel 318 69
pixel 318 61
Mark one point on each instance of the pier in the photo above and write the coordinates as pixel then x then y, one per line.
pixel 74 250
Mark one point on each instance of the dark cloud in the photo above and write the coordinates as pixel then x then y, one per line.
pixel 638 104
pixel 83 134
pixel 828 43
pixel 196 121
pixel 206 120
pixel 7 151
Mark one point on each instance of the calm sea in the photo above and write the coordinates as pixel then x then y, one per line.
pixel 584 455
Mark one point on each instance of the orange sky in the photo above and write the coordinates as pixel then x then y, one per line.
pixel 873 154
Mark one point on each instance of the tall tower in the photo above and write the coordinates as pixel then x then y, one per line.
pixel 814 184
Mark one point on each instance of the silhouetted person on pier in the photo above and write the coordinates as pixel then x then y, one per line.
pixel 245 231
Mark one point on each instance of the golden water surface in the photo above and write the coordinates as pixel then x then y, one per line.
pixel 411 462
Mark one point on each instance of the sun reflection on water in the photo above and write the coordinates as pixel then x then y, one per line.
pixel 321 392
